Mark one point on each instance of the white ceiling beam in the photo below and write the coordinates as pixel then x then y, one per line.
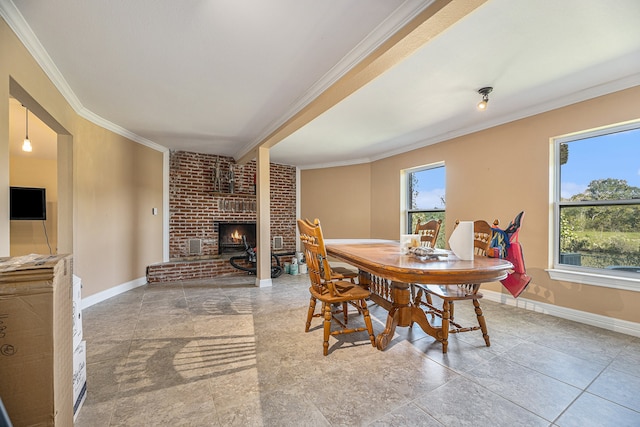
pixel 436 18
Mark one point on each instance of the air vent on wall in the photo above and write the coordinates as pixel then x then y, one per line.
pixel 277 242
pixel 195 246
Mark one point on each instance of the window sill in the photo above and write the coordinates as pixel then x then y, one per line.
pixel 595 279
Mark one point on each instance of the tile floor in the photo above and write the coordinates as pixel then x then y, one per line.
pixel 222 352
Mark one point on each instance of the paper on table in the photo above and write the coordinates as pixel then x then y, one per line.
pixel 461 240
pixel 409 241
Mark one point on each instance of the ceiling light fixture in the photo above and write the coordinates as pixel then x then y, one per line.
pixel 26 145
pixel 485 91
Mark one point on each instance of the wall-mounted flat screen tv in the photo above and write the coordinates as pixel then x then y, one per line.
pixel 27 203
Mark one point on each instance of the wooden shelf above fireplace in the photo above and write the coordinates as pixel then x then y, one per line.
pixel 244 195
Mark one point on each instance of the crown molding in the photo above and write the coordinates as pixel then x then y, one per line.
pixel 25 34
pixel 94 118
pixel 336 164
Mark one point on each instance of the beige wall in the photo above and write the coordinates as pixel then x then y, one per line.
pixel 116 182
pixel 493 174
pixel 340 197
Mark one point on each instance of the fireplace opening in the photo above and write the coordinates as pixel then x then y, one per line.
pixel 230 236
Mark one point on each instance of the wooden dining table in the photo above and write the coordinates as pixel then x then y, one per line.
pixel 382 262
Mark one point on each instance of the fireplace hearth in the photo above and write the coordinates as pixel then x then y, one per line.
pixel 230 236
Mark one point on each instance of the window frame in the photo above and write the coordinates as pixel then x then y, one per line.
pixel 407 199
pixel 586 275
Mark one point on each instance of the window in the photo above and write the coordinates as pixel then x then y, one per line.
pixel 426 197
pixel 597 202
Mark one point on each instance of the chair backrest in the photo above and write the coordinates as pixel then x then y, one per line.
pixel 315 254
pixel 482 235
pixel 428 231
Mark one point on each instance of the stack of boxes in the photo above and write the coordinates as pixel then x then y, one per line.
pixel 36 349
pixel 43 373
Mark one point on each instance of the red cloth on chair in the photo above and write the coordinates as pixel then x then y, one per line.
pixel 517 281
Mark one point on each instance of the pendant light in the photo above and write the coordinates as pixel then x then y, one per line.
pixel 26 145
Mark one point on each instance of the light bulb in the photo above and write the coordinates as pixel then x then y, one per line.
pixel 485 91
pixel 26 146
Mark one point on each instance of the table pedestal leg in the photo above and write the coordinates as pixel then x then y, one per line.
pixel 383 338
pixel 402 313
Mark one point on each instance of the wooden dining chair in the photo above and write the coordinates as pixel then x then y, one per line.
pixel 343 273
pixel 329 290
pixel 428 232
pixel 449 294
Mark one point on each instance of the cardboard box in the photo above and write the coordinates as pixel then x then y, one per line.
pixel 79 377
pixel 77 311
pixel 36 352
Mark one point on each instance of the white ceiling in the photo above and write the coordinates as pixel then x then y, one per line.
pixel 217 77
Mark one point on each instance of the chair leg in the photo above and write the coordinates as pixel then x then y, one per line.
pixel 345 311
pixel 367 321
pixel 482 322
pixel 312 309
pixel 428 304
pixel 445 325
pixel 415 299
pixel 327 327
pixel 451 309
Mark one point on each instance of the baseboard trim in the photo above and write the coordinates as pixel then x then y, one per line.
pixel 605 322
pixel 112 292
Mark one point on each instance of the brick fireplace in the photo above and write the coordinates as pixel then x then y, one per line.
pixel 197 208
